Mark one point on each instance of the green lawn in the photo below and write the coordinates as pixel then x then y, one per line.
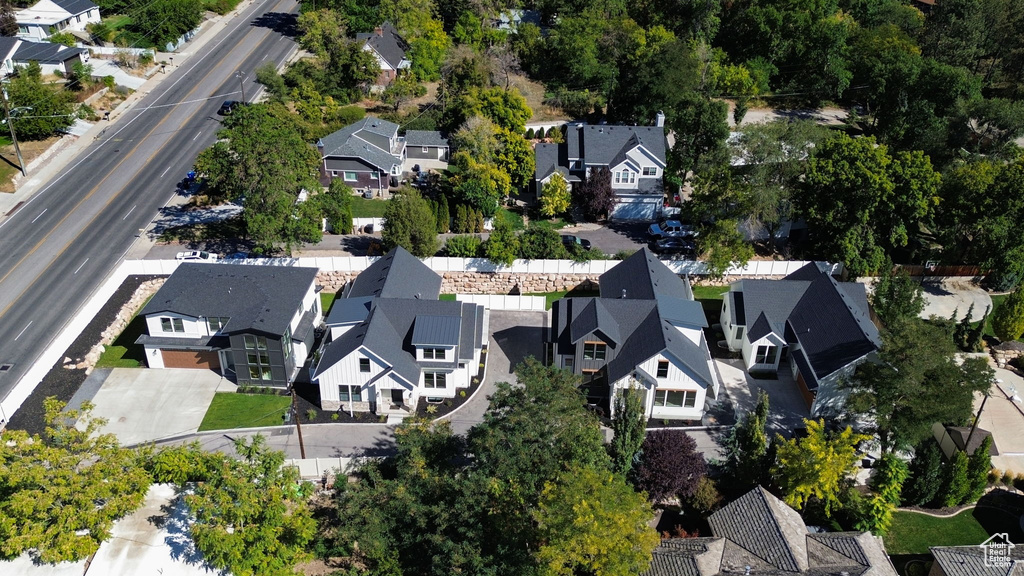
pixel 997 301
pixel 232 410
pixel 367 208
pixel 913 533
pixel 117 22
pixel 709 292
pixel 446 297
pixel 552 224
pixel 552 296
pixel 326 299
pixel 123 352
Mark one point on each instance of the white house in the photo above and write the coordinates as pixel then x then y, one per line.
pixel 645 331
pixel 48 17
pixel 820 327
pixel 391 342
pixel 389 48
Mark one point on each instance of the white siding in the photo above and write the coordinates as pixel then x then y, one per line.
pixel 346 371
pixel 194 328
pixel 449 354
pixel 679 377
pixel 154 359
pixel 750 353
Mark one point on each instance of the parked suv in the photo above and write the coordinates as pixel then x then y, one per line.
pixel 672 229
pixel 569 241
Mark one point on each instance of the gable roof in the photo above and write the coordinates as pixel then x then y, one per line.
pixel 425 138
pixel 643 276
pixel 764 527
pixel 7 45
pixel 254 298
pixel 45 52
pixel 398 274
pixel 602 144
pixel 970 561
pixel 388 43
pixel 348 142
pixel 686 557
pixel 75 6
pixel 548 159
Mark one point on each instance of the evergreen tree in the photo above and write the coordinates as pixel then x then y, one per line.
pixel 628 424
pixel 443 215
pixel 747 447
pixel 963 329
pixel 529 134
pixel 461 218
pixel 409 223
pixel 887 485
pixel 502 246
pixel 8 21
pixel 1008 319
pixel 478 221
pixel 974 338
pixel 925 475
pixel 978 467
pixel 956 485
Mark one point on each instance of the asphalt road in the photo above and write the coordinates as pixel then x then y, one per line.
pixel 60 245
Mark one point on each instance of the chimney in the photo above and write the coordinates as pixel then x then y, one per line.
pixel 659 119
pixel 378 31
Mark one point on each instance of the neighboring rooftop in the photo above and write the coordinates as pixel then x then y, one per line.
pixel 351 142
pixel 45 52
pixel 386 41
pixel 398 274
pixel 971 561
pixel 425 138
pixel 603 144
pixel 643 276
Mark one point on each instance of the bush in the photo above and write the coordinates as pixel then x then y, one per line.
pixel 669 465
pixel 145 59
pixel 1007 479
pixel 310 414
pixel 623 254
pixel 957 485
pixel 705 498
pixel 1008 319
pixel 463 246
pixel 529 134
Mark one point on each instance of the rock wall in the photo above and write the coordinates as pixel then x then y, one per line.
pixel 483 282
pixel 1007 352
pixel 124 316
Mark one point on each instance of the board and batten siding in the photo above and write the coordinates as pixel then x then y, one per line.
pixel 194 327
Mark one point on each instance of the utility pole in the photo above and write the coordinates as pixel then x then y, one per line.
pixel 298 426
pixel 14 138
pixel 241 82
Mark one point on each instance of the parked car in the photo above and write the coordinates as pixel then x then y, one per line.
pixel 672 229
pixel 569 241
pixel 673 246
pixel 236 256
pixel 229 106
pixel 196 255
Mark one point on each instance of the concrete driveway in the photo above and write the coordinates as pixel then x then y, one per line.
pixel 143 405
pixel 787 406
pixel 949 295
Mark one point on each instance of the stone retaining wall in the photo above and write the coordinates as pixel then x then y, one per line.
pixel 124 316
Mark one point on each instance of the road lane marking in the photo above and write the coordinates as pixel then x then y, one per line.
pixel 196 136
pixel 23 329
pixel 129 213
pixel 38 217
pixel 80 265
pixel 165 172
pixel 109 174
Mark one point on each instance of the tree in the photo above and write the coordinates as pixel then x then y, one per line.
pixel 515 157
pixel 978 467
pixel 592 522
pixel 267 524
pixel 478 137
pixel 595 197
pixel 53 108
pixel 956 485
pixel 555 197
pixel 896 298
pixel 628 424
pixel 817 465
pixel 746 446
pixel 427 50
pixel 463 246
pixel 164 21
pixel 723 246
pixel 335 204
pixel 887 485
pixel 669 465
pixel 409 223
pixel 401 90
pixel 539 243
pixel 443 216
pixel 8 21
pixel 481 185
pixel 1008 318
pixel 502 245
pixel 954 32
pixel 917 360
pixel 61 492
pixel 926 472
pixel 701 128
pixel 319 30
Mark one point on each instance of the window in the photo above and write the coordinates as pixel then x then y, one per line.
pixel 434 380
pixel 675 398
pixel 375 175
pixel 286 342
pixel 22 29
pixel 632 176
pixel 739 332
pixel 78 18
pixel 364 364
pixel 352 393
pixel 650 171
pixel 663 369
pixel 569 363
pixel 594 350
pixel 351 177
pixel 433 353
pixel 425 150
pixel 618 177
pixel 590 375
pixel 765 354
pixel 255 342
pixel 216 324
pixel 172 325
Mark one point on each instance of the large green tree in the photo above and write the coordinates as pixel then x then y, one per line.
pixel 897 298
pixel 164 21
pixel 701 129
pixel 629 424
pixel 409 223
pixel 61 492
pixel 748 458
pixel 817 466
pixel 45 109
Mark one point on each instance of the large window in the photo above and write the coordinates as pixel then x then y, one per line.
pixel 286 342
pixel 172 325
pixel 364 364
pixel 650 171
pixel 765 354
pixel 348 392
pixel 435 380
pixel 594 350
pixel 257 357
pixel 351 177
pixel 625 177
pixel 675 398
pixel 433 353
pixel 663 369
pixel 216 324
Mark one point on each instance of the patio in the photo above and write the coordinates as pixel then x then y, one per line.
pixel 788 408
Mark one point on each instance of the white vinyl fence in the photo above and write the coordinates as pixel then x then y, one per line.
pixel 505 302
pixel 314 468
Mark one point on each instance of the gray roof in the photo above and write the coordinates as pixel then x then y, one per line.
pixel 348 143
pixel 75 6
pixel 389 44
pixel 686 557
pixel 436 330
pixel 764 530
pixel 254 298
pixel 644 276
pixel 760 329
pixel 349 310
pixel 7 45
pixel 960 434
pixel 398 274
pixel 604 145
pixel 546 161
pixel 970 561
pixel 425 138
pixel 680 311
pixel 45 52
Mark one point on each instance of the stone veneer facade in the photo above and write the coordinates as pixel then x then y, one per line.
pixel 483 282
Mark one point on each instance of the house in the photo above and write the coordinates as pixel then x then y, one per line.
pixel 759 534
pixel 48 17
pixel 644 331
pixel 997 556
pixel 510 20
pixel 391 342
pixel 364 154
pixel 255 322
pixel 821 327
pixel 389 48
pixel 52 58
pixel 635 155
pixel 426 145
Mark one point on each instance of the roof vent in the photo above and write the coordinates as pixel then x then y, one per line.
pixel 417 296
pixel 623 292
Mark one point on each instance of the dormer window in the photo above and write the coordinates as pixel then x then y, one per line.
pixel 172 325
pixel 650 171
pixel 433 354
pixel 216 324
pixel 594 350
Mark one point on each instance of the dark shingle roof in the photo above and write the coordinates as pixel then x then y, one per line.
pixel 425 138
pixel 547 161
pixel 347 310
pixel 398 274
pixel 760 329
pixel 348 143
pixel 643 276
pixel 45 52
pixel 255 298
pixel 602 144
pixel 7 44
pixel 960 434
pixel 436 330
pixel 761 525
pixel 75 6
pixel 388 44
pixel 970 561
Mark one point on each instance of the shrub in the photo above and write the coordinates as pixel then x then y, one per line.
pixel 705 498
pixel 465 246
pixel 335 416
pixel 145 59
pixel 669 465
pixel 957 485
pixel 310 414
pixel 1018 482
pixel 623 254
pixel 1007 479
pixel 529 134
pixel 1008 319
pixel 431 409
pixel 995 476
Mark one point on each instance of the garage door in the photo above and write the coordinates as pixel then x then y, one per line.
pixel 191 359
pixel 636 209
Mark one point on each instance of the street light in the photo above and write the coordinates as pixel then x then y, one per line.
pixel 9 112
pixel 241 83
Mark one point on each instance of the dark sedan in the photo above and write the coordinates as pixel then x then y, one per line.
pixel 569 241
pixel 673 246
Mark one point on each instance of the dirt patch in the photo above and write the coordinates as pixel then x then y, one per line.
pixel 534 94
pixel 9 159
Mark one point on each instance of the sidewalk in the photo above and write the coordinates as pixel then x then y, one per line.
pixel 69 149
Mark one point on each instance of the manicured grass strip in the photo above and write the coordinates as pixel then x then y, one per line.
pixel 233 410
pixel 326 299
pixel 123 352
pixel 447 297
pixel 367 208
pixel 709 292
pixel 913 533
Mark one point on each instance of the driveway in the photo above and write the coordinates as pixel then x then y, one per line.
pixel 787 406
pixel 143 405
pixel 950 295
